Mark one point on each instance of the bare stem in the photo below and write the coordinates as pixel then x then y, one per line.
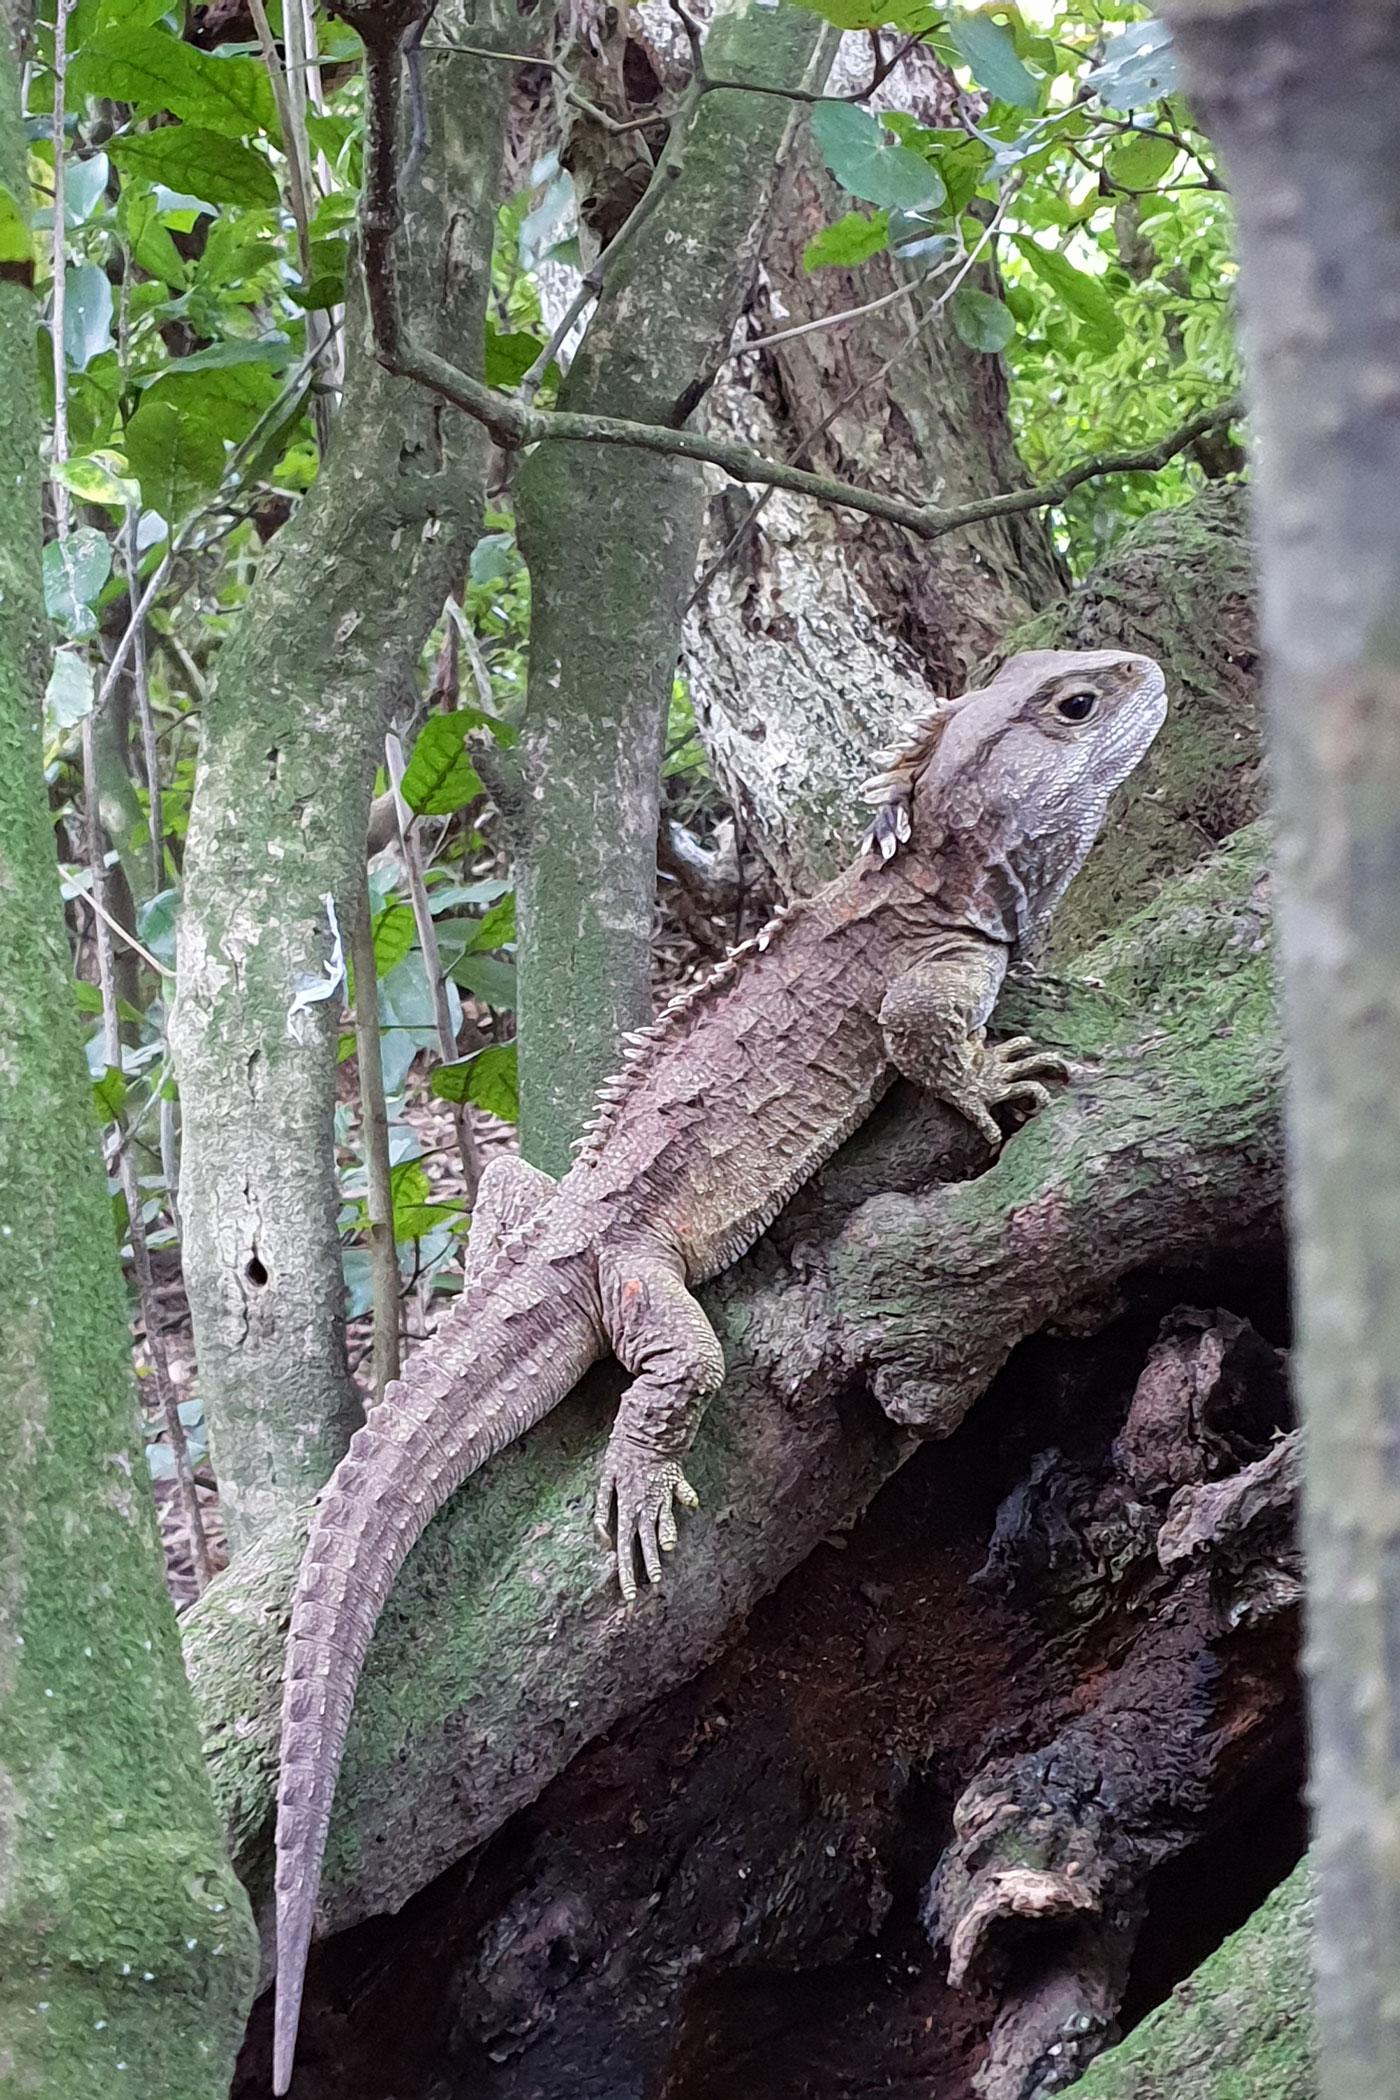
pixel 374 1123
pixel 432 960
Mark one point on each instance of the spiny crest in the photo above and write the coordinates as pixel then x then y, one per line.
pixel 639 1042
pixel 889 791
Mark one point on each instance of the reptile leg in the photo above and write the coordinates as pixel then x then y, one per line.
pixel 659 1333
pixel 934 1022
pixel 509 1193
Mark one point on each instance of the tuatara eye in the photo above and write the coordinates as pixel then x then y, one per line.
pixel 1076 707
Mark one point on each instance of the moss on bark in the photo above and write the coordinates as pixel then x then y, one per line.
pixel 1240 2028
pixel 127 1955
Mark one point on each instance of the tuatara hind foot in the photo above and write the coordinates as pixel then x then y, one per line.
pixel 645 1488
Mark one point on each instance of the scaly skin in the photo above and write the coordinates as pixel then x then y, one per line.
pixel 726 1106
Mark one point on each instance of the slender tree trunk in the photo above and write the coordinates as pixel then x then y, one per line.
pixel 1302 99
pixel 612 544
pixel 127 1955
pixel 274 865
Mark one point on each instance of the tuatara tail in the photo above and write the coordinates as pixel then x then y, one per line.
pixel 434 1429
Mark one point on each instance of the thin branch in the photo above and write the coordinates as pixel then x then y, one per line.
pixel 374 1124
pixel 514 425
pixel 432 960
pixel 141 686
pixel 62 508
pixel 160 1372
pixel 114 925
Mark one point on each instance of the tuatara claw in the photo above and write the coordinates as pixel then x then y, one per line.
pixel 645 1489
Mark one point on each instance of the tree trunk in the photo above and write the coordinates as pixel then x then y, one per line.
pixel 1302 99
pixel 822 633
pixel 127 1955
pixel 275 859
pixel 611 540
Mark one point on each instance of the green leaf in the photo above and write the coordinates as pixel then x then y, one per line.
pixel 867 164
pixel 155 923
pixel 439 777
pixel 393 936
pixel 1085 297
pixel 489 977
pixel 982 322
pixel 16 241
pixel 1140 67
pixel 1141 160
pixel 94 478
pixel 487 1079
pixel 176 459
pixel 508 357
pixel 70 691
pixel 84 186
pixel 989 53
pixel 139 216
pixel 851 240
pixel 87 314
pixel 155 70
pixel 497 926
pixel 75 570
pixel 225 399
pixel 109 1094
pixel 908 17
pixel 416 1220
pixel 199 163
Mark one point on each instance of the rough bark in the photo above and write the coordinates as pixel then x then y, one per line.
pixel 502 1651
pixel 344 600
pixel 821 634
pixel 1302 100
pixel 127 1956
pixel 611 541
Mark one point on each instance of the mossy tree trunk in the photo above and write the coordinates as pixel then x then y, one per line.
pixel 611 540
pixel 1302 99
pixel 275 861
pixel 127 1954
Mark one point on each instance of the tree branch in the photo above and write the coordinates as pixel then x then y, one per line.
pixel 513 425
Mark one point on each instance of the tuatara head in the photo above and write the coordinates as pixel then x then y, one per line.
pixel 1017 775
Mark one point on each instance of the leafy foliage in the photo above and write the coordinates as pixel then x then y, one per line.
pixel 1081 179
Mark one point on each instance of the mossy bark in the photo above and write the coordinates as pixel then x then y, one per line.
pixel 344 601
pixel 127 1954
pixel 611 540
pixel 1240 2028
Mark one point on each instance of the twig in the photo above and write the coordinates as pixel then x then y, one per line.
pixel 289 93
pixel 100 910
pixel 62 508
pixel 432 961
pixel 823 321
pixel 514 425
pixel 141 686
pixel 374 1123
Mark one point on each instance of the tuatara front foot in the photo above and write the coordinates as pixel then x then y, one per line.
pixel 645 1488
pixel 1005 1075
